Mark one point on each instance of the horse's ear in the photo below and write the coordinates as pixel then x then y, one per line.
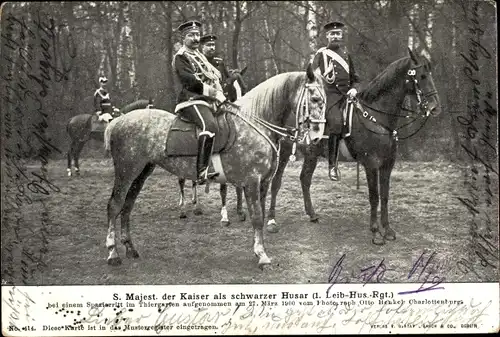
pixel 412 55
pixel 243 70
pixel 310 72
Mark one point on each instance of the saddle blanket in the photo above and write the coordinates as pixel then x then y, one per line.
pixel 98 125
pixel 183 137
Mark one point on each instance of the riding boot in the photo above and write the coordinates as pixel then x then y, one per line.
pixel 205 146
pixel 333 148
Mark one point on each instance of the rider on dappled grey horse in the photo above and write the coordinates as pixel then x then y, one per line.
pixel 201 89
pixel 102 101
pixel 337 68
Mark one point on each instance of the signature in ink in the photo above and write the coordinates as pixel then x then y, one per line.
pixel 375 271
pixel 423 264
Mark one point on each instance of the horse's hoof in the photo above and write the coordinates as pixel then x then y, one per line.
pixel 198 211
pixel 264 261
pixel 378 239
pixel 132 254
pixel 69 172
pixel 242 216
pixel 115 261
pixel 390 234
pixel 272 227
pixel 314 219
pixel 77 173
pixel 225 223
pixel 183 215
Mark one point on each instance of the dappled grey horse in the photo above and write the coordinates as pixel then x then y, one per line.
pixel 248 153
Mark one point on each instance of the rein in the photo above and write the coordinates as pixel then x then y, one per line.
pixel 423 105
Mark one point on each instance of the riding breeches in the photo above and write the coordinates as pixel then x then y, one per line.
pixel 334 114
pixel 202 116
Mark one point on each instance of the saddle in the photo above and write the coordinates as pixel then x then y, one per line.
pixel 182 138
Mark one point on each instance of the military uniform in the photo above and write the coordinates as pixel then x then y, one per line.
pixel 199 80
pixel 336 67
pixel 102 102
pixel 216 61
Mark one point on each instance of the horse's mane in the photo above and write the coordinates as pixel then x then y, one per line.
pixel 139 104
pixel 270 98
pixel 385 81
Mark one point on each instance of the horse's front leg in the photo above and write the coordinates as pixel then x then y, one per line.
pixel 223 195
pixel 385 177
pixel 182 201
pixel 285 152
pixel 308 167
pixel 372 180
pixel 253 197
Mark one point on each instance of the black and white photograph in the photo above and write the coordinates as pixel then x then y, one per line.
pixel 249 144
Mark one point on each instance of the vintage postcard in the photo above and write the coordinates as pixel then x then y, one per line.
pixel 249 167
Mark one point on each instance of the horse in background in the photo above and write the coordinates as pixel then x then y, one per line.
pixel 234 88
pixel 145 138
pixel 375 122
pixel 81 128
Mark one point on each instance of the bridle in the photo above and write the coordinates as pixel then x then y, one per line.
pixel 303 118
pixel 423 105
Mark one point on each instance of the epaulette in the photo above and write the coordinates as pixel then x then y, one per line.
pixel 320 50
pixel 181 51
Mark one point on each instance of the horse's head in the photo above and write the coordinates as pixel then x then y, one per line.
pixel 234 86
pixel 420 84
pixel 311 107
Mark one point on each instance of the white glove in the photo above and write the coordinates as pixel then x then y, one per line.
pixel 352 93
pixel 220 96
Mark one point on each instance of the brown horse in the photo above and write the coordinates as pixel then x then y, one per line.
pixel 143 139
pixel 82 128
pixel 378 122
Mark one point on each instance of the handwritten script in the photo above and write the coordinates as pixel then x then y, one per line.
pixel 479 145
pixel 30 67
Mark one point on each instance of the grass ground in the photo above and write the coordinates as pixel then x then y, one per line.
pixel 423 206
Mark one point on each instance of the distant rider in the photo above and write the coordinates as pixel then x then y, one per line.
pixel 102 101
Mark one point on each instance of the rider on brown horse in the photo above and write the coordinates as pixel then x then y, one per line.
pixel 336 66
pixel 201 89
pixel 102 101
pixel 208 49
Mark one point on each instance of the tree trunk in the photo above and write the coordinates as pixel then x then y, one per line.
pixel 236 35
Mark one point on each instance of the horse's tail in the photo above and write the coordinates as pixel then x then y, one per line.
pixel 107 136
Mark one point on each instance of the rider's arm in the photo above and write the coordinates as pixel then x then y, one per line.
pixel 355 81
pixel 188 79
